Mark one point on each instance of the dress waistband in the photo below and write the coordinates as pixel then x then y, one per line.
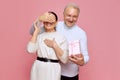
pixel 47 60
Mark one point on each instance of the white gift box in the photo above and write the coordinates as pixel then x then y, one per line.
pixel 74 47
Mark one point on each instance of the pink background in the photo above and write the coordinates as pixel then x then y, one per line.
pixel 99 18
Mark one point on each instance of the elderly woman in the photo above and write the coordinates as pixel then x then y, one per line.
pixel 47 64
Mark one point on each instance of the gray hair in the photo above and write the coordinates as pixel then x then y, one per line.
pixel 75 6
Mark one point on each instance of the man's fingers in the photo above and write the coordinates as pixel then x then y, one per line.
pixel 75 57
pixel 72 59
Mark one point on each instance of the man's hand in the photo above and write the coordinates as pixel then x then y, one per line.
pixel 47 17
pixel 77 59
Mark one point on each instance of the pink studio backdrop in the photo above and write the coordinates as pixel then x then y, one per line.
pixel 99 18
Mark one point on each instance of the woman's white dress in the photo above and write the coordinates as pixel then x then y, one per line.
pixel 47 70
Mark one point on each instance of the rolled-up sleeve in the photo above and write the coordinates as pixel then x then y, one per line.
pixel 84 49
